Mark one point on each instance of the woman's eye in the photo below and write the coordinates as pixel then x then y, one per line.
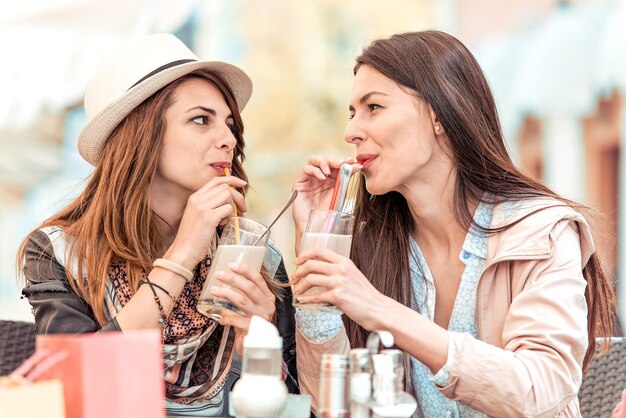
pixel 373 106
pixel 200 120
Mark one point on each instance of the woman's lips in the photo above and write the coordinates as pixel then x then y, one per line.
pixel 366 160
pixel 219 167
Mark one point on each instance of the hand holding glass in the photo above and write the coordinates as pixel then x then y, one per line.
pixel 331 230
pixel 243 241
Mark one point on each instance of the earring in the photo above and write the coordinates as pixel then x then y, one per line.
pixel 437 127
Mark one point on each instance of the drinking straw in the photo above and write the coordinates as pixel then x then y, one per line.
pixel 333 200
pixel 227 173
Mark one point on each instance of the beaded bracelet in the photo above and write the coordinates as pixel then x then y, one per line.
pixel 162 316
pixel 161 288
pixel 166 264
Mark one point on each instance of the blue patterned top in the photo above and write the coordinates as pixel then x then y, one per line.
pixel 318 327
pixel 321 327
pixel 462 321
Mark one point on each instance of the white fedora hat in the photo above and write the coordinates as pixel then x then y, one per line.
pixel 134 73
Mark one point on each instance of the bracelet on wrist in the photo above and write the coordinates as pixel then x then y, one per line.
pixel 161 288
pixel 163 322
pixel 175 268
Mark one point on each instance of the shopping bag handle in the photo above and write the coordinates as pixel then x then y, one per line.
pixel 39 362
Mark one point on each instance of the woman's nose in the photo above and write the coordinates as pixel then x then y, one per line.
pixel 354 132
pixel 228 140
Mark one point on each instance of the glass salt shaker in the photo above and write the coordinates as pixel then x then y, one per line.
pixel 260 391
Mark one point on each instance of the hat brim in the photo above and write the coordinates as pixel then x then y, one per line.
pixel 99 128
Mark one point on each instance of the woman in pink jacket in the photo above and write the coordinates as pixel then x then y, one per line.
pixel 486 278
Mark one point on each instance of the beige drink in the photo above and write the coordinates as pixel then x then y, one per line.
pixel 242 241
pixel 215 307
pixel 338 243
pixel 334 242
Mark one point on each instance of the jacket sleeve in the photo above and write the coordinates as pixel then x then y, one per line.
pixel 57 308
pixel 538 372
pixel 286 324
pixel 310 357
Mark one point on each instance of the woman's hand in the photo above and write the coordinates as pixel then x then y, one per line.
pixel 315 185
pixel 346 287
pixel 206 209
pixel 248 291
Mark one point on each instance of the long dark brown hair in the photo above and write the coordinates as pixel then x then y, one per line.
pixel 440 70
pixel 112 218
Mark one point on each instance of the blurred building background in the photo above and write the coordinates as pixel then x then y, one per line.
pixel 557 69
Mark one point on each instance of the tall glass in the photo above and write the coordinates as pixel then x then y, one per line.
pixel 243 241
pixel 331 230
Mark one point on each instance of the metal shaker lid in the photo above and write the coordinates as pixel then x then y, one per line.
pixel 332 362
pixel 360 360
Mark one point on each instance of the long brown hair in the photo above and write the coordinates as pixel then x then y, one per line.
pixel 439 69
pixel 112 218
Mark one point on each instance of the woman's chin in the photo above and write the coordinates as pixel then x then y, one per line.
pixel 374 188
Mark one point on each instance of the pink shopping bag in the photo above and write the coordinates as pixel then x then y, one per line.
pixel 110 374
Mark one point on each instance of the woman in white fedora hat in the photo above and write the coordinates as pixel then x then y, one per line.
pixel 162 128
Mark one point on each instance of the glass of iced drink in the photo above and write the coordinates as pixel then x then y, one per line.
pixel 331 230
pixel 242 241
